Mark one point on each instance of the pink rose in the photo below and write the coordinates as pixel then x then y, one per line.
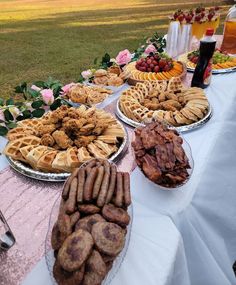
pixel 123 57
pixel 150 48
pixel 66 88
pixel 86 74
pixel 47 95
pixel 35 88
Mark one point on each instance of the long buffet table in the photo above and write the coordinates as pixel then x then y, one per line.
pixel 182 236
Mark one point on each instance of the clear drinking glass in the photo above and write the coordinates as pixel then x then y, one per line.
pixel 7 238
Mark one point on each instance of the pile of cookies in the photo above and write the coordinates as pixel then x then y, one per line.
pixel 92 223
pixel 160 155
pixel 113 76
pixel 65 138
pixel 88 95
pixel 170 102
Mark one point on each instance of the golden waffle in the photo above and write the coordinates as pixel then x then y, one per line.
pixel 19 132
pixel 30 123
pixel 26 149
pixel 60 162
pixel 106 148
pixel 12 149
pixel 175 84
pixel 72 160
pixel 83 154
pixel 35 154
pixel 114 130
pixel 108 139
pixel 96 151
pixel 45 162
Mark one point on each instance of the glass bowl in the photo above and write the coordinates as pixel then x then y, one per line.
pixel 49 253
pixel 187 149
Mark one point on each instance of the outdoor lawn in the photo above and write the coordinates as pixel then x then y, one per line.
pixel 60 38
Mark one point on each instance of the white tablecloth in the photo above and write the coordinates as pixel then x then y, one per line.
pixel 203 210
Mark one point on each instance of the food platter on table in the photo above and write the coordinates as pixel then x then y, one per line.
pixel 86 218
pixel 111 78
pixel 163 156
pixel 184 108
pixel 93 95
pixel 49 148
pixel 157 66
pixel 222 62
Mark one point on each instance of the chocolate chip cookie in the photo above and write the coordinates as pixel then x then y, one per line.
pixel 64 277
pixel 75 250
pixel 95 269
pixel 87 222
pixel 116 215
pixel 109 238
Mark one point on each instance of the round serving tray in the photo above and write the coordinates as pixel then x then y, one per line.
pixel 50 259
pixel 132 81
pixel 59 177
pixel 180 129
pixel 184 59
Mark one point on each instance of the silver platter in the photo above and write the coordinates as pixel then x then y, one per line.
pixel 183 58
pixel 216 71
pixel 60 177
pixel 181 129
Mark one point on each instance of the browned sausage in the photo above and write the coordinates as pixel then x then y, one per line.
pixel 119 190
pixel 80 188
pixel 98 182
pixel 88 186
pixel 105 184
pixel 74 218
pixel 65 192
pixel 64 224
pixel 71 202
pixel 89 209
pixel 126 185
pixel 112 184
pixel 90 165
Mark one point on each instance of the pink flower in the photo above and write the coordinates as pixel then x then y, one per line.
pixel 2 115
pixel 66 88
pixel 35 88
pixel 150 48
pixel 123 57
pixel 47 95
pixel 86 74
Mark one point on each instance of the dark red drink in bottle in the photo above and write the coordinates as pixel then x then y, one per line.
pixel 203 70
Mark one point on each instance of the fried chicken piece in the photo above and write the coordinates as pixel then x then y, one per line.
pixel 87 129
pixel 99 128
pixel 73 125
pixel 73 114
pixel 46 129
pixel 84 140
pixel 62 139
pixel 47 140
pixel 59 114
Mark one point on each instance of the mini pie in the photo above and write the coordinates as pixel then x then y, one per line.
pixel 65 138
pixel 172 103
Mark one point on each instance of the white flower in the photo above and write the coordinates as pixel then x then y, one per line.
pixel 14 111
pixel 86 74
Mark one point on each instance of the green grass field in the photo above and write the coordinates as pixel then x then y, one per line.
pixel 60 38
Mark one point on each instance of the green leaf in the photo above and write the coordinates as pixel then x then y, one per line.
pixel 37 104
pixel 40 84
pixel 20 118
pixel 55 104
pixel 38 113
pixel 1 101
pixel 26 114
pixel 3 131
pixel 95 61
pixel 11 125
pixel 33 93
pixel 8 116
pixel 21 88
pixel 10 101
